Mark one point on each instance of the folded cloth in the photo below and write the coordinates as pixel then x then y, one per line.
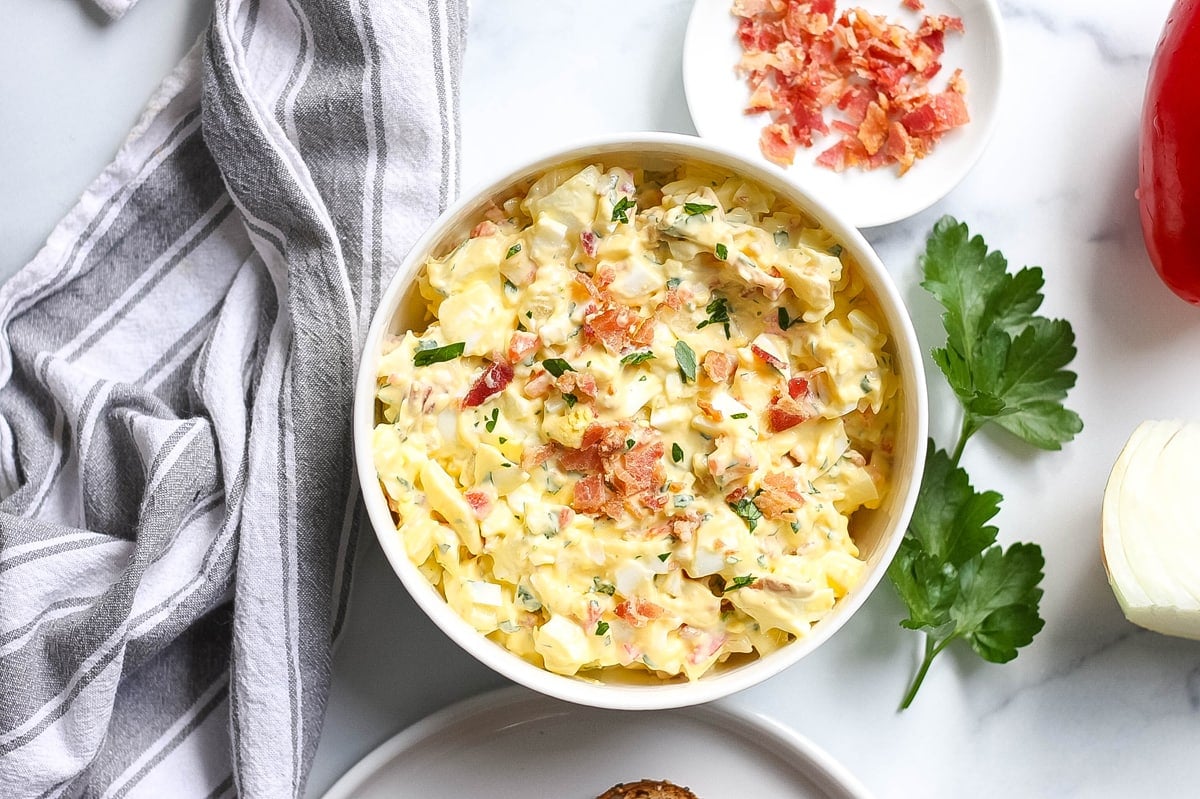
pixel 179 507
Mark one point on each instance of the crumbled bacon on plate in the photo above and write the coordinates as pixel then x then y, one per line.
pixel 801 58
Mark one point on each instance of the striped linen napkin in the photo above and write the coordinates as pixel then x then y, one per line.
pixel 178 508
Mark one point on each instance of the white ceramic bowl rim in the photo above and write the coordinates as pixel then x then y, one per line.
pixel 596 694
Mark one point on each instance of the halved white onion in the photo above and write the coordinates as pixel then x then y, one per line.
pixel 1151 528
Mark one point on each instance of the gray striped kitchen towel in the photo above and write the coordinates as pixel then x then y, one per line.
pixel 178 507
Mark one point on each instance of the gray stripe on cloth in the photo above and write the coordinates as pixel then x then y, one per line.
pixel 154 698
pixel 67 645
pixel 181 387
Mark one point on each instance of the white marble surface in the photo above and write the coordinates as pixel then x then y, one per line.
pixel 1095 707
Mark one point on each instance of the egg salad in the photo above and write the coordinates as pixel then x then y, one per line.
pixel 638 422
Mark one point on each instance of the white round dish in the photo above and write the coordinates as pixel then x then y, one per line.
pixel 877 533
pixel 512 744
pixel 717 95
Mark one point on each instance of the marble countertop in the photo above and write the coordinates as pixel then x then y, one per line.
pixel 1095 707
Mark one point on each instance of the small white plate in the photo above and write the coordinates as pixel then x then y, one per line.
pixel 716 97
pixel 515 744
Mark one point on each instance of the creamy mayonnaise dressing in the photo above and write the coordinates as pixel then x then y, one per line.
pixel 637 429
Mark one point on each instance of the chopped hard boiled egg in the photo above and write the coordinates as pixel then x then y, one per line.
pixel 637 427
pixel 1151 528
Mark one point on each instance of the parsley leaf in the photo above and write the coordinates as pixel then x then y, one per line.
pixel 676 453
pixel 749 512
pixel 692 209
pixel 956 581
pixel 513 250
pixel 740 582
pixel 722 251
pixel 1004 363
pixel 685 356
pixel 601 587
pixel 718 314
pixel 620 212
pixel 438 354
pixel 634 358
pixel 601 627
pixel 570 399
pixel 557 366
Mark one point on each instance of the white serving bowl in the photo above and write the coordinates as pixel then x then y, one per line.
pixel 877 533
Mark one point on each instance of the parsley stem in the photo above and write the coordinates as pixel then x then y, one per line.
pixel 970 426
pixel 932 650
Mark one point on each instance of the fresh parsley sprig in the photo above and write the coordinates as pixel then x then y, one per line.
pixel 1006 365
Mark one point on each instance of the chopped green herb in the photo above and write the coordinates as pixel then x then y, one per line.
pixel 620 212
pixel 749 512
pixel 692 209
pixel 673 283
pixel 491 423
pixel 663 557
pixel 718 314
pixel 557 366
pixel 513 250
pixel 629 443
pixel 529 314
pixel 601 628
pixel 676 453
pixel 836 251
pixel 685 356
pixel 722 251
pixel 570 399
pixel 740 582
pixel 785 319
pixel 634 358
pixel 603 588
pixel 740 416
pixel 503 440
pixel 528 601
pixel 439 354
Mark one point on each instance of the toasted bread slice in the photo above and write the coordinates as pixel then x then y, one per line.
pixel 647 789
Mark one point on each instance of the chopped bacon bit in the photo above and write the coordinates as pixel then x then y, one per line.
pixel 800 61
pixel 495 377
pixel 484 228
pixel 587 240
pixel 760 349
pixel 622 464
pixel 586 461
pixel 719 366
pixel 786 412
pixel 590 494
pixel 521 346
pixel 615 328
pixel 708 411
pixel 480 502
pixel 780 496
pixel 638 611
pixel 538 385
pixel 644 335
pixel 797 387
pixel 565 517
pixel 736 495
pixel 534 457
pixel 576 383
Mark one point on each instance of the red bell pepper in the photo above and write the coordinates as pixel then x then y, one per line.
pixel 1169 158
